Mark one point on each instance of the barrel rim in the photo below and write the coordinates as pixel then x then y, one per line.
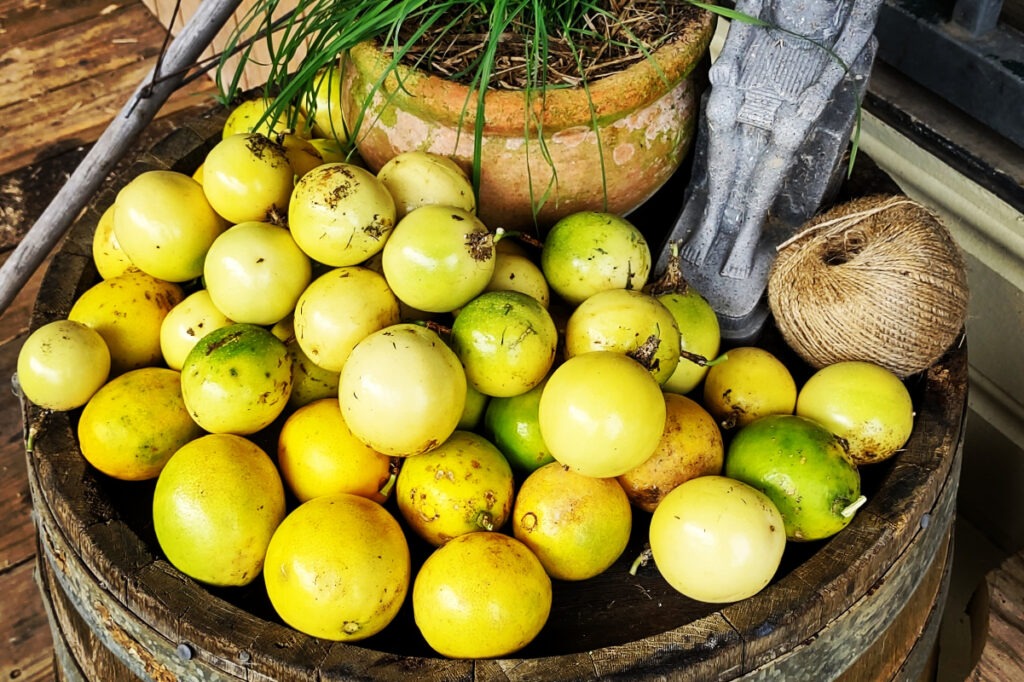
pixel 736 639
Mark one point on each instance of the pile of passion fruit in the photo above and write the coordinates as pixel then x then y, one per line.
pixel 318 364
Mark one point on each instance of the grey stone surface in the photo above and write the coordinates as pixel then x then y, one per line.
pixel 771 144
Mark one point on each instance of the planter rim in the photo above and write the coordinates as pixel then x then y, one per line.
pixel 557 108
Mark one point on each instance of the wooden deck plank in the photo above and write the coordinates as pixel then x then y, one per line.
pixel 1002 659
pixel 51 101
pixel 26 650
pixel 53 104
pixel 25 638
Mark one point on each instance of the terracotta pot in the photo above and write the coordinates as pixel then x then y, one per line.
pixel 646 117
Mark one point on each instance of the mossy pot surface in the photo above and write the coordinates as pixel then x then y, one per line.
pixel 543 155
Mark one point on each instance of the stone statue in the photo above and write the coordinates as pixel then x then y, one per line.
pixel 777 120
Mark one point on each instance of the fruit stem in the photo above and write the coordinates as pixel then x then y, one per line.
pixel 30 440
pixel 385 490
pixel 641 560
pixel 441 330
pixel 672 281
pixel 852 508
pixel 485 520
pixel 501 233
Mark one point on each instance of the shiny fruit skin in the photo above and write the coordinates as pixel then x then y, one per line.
pixel 186 323
pixel 803 468
pixel 402 390
pixel 481 595
pixel 589 251
pixel 516 272
pixel 248 177
pixel 699 333
pixel 690 446
pixel 341 214
pixel 626 321
pixel 128 311
pixel 601 413
pixel 513 424
pixel 506 341
pixel 62 364
pixel 338 568
pixel 339 309
pixel 461 486
pixel 717 540
pixel 303 156
pixel 309 381
pixel 438 258
pixel 216 505
pixel 255 272
pixel 474 409
pixel 248 117
pixel 866 405
pixel 327 119
pixel 318 455
pixel 135 423
pixel 417 178
pixel 237 379
pixel 750 382
pixel 164 224
pixel 107 255
pixel 576 525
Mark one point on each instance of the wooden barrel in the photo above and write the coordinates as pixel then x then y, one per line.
pixel 865 604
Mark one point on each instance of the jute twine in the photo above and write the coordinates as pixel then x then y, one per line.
pixel 878 279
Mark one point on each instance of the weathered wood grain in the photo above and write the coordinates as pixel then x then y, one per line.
pixel 1002 659
pixel 25 653
pixel 52 100
pixel 24 631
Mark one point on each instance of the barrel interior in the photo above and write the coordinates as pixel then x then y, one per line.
pixel 158 620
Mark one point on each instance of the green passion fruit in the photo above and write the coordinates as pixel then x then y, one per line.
pixel 237 379
pixel 803 468
pixel 506 341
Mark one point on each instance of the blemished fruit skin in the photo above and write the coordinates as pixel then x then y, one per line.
pixel 237 379
pixel 690 446
pixel 866 405
pixel 481 595
pixel 803 468
pixel 128 311
pixel 463 485
pixel 716 539
pixel 746 383
pixel 506 341
pixel 590 251
pixel 216 505
pixel 135 423
pixel 700 333
pixel 576 525
pixel 338 567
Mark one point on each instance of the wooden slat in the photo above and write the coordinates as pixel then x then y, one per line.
pixel 25 651
pixel 1002 659
pixel 51 101
pixel 24 20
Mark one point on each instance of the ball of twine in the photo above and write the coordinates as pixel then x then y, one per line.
pixel 878 279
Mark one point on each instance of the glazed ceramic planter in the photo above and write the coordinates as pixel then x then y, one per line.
pixel 533 174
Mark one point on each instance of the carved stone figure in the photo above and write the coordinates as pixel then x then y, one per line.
pixel 777 119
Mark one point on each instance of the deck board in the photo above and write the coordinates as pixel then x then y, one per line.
pixel 54 102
